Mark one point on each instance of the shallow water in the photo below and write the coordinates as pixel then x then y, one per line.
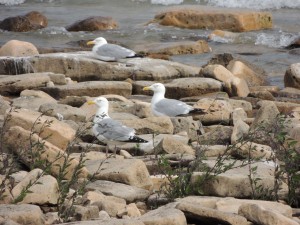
pixel 263 48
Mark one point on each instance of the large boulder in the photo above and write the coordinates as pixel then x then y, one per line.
pixel 93 24
pixel 292 76
pixel 203 18
pixel 31 21
pixel 18 48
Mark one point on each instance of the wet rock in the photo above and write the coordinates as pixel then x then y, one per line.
pixel 163 216
pixel 80 66
pixel 93 24
pixel 200 18
pixel 58 133
pixel 175 48
pixel 292 76
pixel 203 215
pixel 23 213
pixel 18 139
pixel 90 88
pixel 186 87
pixel 32 99
pixel 13 85
pixel 67 112
pixel 31 21
pixel 216 111
pixel 44 188
pixel 223 34
pixel 18 49
pixel 127 192
pixel 243 71
pixel 128 171
pixel 260 215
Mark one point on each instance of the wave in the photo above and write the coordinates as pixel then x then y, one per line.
pixel 11 2
pixel 256 4
pixel 166 2
pixel 279 41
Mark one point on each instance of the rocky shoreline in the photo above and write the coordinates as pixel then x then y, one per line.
pixel 234 165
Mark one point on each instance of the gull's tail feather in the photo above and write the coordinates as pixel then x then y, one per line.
pixel 136 56
pixel 137 139
pixel 198 111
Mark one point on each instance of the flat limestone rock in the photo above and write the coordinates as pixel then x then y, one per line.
pixel 23 214
pixel 81 66
pixel 127 192
pixel 90 88
pixel 199 17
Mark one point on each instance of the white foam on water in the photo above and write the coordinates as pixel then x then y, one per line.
pixel 55 31
pixel 256 4
pixel 166 2
pixel 11 2
pixel 282 40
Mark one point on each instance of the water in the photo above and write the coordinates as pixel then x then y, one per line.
pixel 264 48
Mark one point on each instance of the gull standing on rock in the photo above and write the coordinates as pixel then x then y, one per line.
pixel 110 52
pixel 108 130
pixel 162 106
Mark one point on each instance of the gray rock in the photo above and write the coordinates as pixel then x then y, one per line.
pixel 127 192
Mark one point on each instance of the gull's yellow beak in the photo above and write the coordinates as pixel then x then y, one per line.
pixel 90 43
pixel 91 102
pixel 147 88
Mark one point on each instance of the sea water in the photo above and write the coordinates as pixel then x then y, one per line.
pixel 265 48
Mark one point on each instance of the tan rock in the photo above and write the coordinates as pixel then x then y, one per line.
pixel 43 189
pixel 238 114
pixel 236 103
pixel 4 106
pixel 93 24
pixel 238 87
pixel 18 48
pixel 175 48
pixel 216 135
pixel 15 84
pixel 223 34
pixel 128 171
pixel 151 125
pixel 23 213
pixel 292 76
pixel 112 205
pixel 67 112
pixel 200 18
pixel 107 221
pixel 252 150
pixel 132 210
pixel 264 95
pixel 85 213
pixel 171 145
pixel 266 116
pixel 90 88
pixel 204 214
pixel 240 131
pixel 242 71
pixel 184 87
pixel 124 191
pixel 164 215
pixel 260 215
pixel 18 140
pixel 216 110
pixel 186 124
pixel 58 133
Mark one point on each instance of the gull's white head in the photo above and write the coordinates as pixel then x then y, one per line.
pixel 101 102
pixel 97 41
pixel 156 88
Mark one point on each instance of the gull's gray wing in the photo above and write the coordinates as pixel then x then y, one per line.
pixel 114 51
pixel 171 107
pixel 113 130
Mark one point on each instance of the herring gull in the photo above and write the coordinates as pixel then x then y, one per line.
pixel 110 131
pixel 110 52
pixel 162 106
